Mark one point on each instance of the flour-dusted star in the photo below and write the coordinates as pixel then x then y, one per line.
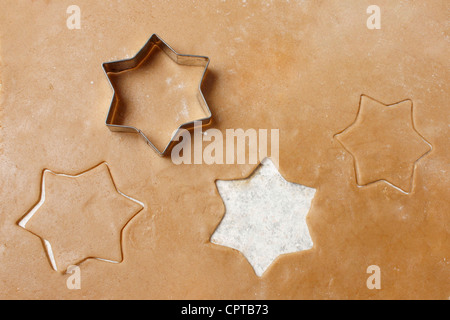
pixel 384 143
pixel 80 217
pixel 265 216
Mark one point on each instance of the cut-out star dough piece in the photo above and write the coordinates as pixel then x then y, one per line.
pixel 80 217
pixel 265 216
pixel 384 143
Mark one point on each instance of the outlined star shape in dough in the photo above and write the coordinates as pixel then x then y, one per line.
pixel 80 217
pixel 265 216
pixel 384 143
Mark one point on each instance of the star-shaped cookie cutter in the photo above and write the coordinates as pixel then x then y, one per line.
pixel 135 62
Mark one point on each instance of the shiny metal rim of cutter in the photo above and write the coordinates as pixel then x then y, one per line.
pixel 141 56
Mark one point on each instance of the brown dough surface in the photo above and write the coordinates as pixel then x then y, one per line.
pixel 297 66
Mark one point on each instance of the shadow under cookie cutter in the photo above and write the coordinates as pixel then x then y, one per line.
pixel 135 62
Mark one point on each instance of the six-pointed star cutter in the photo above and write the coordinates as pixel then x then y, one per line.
pixel 135 62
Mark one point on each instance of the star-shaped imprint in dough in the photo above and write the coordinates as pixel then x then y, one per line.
pixel 384 143
pixel 80 217
pixel 265 216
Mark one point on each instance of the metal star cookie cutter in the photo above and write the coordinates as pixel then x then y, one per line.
pixel 135 62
